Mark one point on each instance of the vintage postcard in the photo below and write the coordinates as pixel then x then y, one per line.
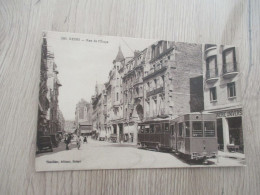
pixel 124 103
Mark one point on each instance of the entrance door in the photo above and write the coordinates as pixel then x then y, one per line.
pixel 235 132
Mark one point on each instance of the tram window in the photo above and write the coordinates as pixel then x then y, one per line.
pixel 141 129
pixel 187 128
pixel 180 129
pixel 157 128
pixel 166 127
pixel 209 129
pixel 152 129
pixel 172 129
pixel 197 129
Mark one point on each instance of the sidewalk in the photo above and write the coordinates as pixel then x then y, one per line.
pixel 61 147
pixel 235 155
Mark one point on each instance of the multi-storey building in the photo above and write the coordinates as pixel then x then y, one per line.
pixel 53 84
pixel 222 93
pixel 50 119
pixel 133 111
pixel 61 121
pixel 168 79
pixel 113 98
pixel 164 80
pixel 83 117
pixel 98 117
pixel 43 105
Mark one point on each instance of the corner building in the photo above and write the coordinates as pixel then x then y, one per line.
pixel 222 94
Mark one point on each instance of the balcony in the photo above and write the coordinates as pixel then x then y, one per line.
pixel 212 75
pixel 229 70
pixel 139 95
pixel 138 81
pixel 116 104
pixel 155 91
pixel 155 71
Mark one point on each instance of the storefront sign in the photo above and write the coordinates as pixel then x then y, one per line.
pixel 229 113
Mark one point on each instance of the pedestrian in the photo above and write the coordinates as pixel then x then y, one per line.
pixel 67 141
pixel 85 140
pixel 78 142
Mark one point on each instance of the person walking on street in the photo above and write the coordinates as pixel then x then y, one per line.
pixel 78 142
pixel 67 141
pixel 85 140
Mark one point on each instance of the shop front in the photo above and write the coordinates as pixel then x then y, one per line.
pixel 229 130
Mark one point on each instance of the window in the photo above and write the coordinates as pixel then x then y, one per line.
pixel 137 90
pixel 117 96
pixel 157 128
pixel 209 129
pixel 231 89
pixel 151 128
pixel 213 94
pixel 155 83
pixel 172 129
pixel 211 66
pixel 187 128
pixel 180 129
pixel 197 129
pixel 166 127
pixel 229 60
pixel 147 129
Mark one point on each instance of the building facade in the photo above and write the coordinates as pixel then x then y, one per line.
pixel 98 117
pixel 50 117
pixel 44 104
pixel 83 117
pixel 167 79
pixel 222 93
pixel 162 81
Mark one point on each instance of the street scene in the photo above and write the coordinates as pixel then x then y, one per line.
pixel 122 156
pixel 117 103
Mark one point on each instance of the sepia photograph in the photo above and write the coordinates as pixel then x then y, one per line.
pixel 110 102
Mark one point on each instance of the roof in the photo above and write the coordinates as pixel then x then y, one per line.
pixel 120 55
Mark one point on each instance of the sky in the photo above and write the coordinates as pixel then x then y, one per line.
pixel 82 63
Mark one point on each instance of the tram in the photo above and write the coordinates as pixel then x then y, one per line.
pixel 193 135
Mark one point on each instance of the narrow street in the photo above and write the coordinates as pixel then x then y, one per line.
pixel 104 155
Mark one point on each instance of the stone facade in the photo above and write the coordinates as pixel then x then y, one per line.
pixel 154 83
pixel 167 78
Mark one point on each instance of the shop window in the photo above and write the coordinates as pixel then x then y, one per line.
pixel 213 94
pixel 231 89
pixel 209 129
pixel 180 129
pixel 187 128
pixel 197 129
